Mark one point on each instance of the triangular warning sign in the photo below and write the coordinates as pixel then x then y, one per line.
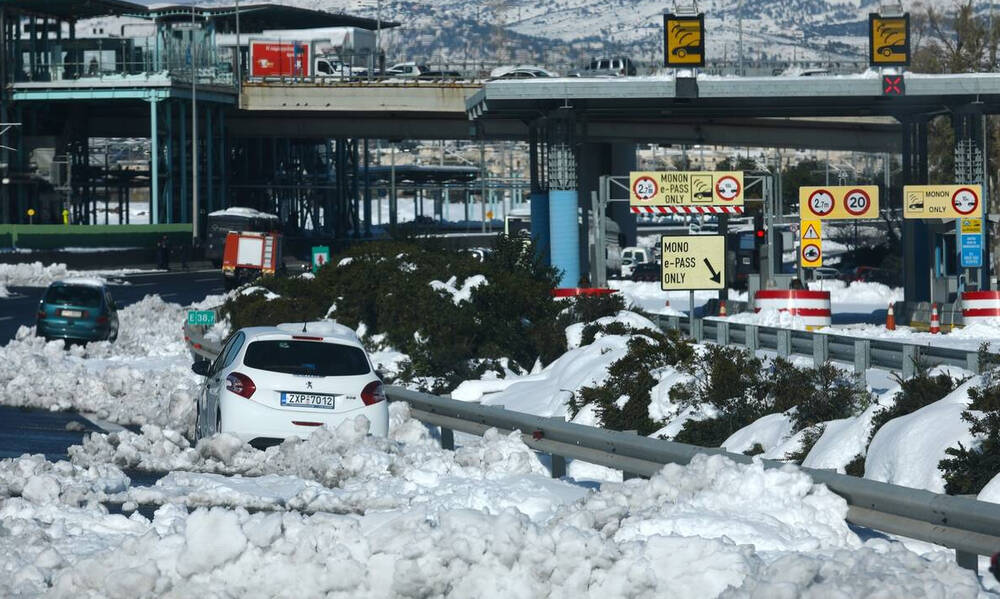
pixel 810 233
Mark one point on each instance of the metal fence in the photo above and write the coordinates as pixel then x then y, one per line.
pixel 886 354
pixel 970 527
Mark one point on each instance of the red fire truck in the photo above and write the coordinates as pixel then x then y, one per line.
pixel 249 255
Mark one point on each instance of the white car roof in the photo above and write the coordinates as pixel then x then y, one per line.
pixel 328 330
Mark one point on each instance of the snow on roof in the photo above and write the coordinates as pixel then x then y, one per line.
pixel 242 211
pixel 83 281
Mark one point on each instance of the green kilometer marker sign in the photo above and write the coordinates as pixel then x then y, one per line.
pixel 201 317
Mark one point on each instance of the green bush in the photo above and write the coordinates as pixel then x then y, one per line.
pixel 743 388
pixel 631 377
pixel 386 286
pixel 968 470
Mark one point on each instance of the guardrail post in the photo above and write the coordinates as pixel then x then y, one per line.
pixel 821 349
pixel 972 362
pixel 697 329
pixel 862 357
pixel 911 355
pixel 722 333
pixel 753 341
pixel 629 475
pixel 969 561
pixel 784 343
pixel 558 462
pixel 447 439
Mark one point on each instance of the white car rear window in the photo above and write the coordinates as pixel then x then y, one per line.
pixel 314 358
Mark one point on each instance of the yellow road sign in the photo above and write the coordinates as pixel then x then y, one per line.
pixel 889 40
pixel 942 201
pixel 811 243
pixel 684 41
pixel 31 212
pixel 692 262
pixel 972 226
pixel 684 188
pixel 846 202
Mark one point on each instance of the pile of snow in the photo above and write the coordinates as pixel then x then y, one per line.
pixel 685 532
pixel 37 274
pixel 768 317
pixel 907 450
pixel 144 377
pixel 458 293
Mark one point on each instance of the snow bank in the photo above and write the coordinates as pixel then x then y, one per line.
pixel 36 274
pixel 906 450
pixel 710 529
pixel 142 378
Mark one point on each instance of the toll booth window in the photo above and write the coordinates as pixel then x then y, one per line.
pixel 746 242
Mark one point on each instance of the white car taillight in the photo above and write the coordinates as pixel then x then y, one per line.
pixel 373 393
pixel 240 384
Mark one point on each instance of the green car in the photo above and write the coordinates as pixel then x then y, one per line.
pixel 77 310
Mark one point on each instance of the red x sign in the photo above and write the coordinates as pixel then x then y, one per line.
pixel 892 85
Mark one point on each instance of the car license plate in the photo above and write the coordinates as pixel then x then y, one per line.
pixel 308 400
pixel 71 313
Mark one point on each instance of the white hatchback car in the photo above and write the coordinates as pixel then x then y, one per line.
pixel 271 383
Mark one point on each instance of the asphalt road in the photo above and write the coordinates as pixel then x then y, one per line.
pixel 180 287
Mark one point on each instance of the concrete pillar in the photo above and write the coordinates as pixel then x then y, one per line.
pixel 564 226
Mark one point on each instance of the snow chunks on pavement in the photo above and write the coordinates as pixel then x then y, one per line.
pixel 144 377
pixel 711 529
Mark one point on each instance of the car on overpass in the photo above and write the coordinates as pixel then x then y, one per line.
pixel 614 66
pixel 272 383
pixel 78 309
pixel 521 72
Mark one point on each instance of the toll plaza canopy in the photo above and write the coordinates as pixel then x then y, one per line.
pixel 704 98
pixel 258 17
pixel 72 10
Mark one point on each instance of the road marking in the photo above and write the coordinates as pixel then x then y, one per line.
pixel 168 294
pixel 142 284
pixel 6 317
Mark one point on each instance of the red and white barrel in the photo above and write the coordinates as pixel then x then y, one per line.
pixel 813 307
pixel 980 307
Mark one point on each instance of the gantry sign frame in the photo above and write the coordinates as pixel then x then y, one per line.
pixel 594 104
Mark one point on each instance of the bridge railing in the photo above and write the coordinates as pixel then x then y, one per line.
pixel 970 527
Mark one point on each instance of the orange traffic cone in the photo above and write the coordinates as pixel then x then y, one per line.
pixel 890 319
pixel 722 308
pixel 935 321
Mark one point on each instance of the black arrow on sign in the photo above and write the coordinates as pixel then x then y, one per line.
pixel 715 275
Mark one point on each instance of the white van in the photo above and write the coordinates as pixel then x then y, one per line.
pixel 638 255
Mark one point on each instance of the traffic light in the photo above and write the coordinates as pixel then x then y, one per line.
pixel 759 234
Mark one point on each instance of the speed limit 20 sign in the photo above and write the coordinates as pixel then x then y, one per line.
pixel 838 202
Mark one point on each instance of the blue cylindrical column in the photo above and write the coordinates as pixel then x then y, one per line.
pixel 564 234
pixel 540 224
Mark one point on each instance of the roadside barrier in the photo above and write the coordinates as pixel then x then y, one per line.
pixel 979 307
pixel 813 307
pixel 970 527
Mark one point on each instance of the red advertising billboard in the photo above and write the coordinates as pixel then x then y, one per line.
pixel 279 59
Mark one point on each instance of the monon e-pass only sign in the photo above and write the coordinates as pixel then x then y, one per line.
pixel 942 201
pixel 832 202
pixel 691 262
pixel 698 192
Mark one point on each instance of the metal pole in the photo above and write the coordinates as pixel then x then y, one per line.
pixel 739 20
pixel 392 183
pixel 482 175
pixel 239 78
pixel 194 135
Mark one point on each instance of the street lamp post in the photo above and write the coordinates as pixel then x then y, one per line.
pixel 195 233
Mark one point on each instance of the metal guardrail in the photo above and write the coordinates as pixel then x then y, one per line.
pixel 896 356
pixel 970 527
